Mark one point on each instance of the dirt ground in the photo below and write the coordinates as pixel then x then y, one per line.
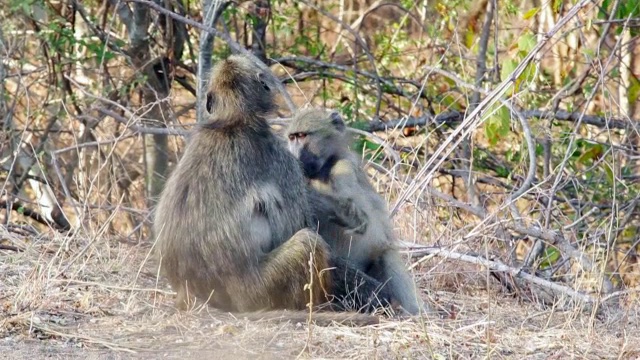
pixel 80 298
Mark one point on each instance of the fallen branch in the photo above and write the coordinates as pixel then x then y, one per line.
pixel 10 248
pixel 30 213
pixel 493 265
pixel 554 238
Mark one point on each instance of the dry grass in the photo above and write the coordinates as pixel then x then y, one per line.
pixel 107 303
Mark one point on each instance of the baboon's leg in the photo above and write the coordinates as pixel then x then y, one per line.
pixel 281 279
pixel 390 270
pixel 355 290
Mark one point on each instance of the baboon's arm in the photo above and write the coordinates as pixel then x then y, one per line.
pixel 280 279
pixel 346 195
pixel 341 211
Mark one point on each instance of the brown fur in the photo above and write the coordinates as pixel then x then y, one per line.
pixel 232 222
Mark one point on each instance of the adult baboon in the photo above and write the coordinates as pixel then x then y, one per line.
pixel 232 223
pixel 359 227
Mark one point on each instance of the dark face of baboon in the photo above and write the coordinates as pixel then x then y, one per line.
pixel 317 138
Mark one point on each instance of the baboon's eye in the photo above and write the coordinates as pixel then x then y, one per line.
pixel 209 105
pixel 298 135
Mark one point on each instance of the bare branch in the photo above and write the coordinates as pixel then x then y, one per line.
pixel 10 248
pixel 493 265
pixel 30 213
pixel 232 44
pixel 456 117
pixel 141 129
pixel 213 9
pixel 481 69
pixel 360 42
pixel 390 87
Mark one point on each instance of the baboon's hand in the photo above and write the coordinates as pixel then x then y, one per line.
pixel 360 230
pixel 354 219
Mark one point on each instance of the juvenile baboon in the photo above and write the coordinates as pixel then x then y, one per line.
pixel 232 223
pixel 359 227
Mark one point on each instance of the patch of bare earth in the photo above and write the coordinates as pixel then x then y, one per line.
pixel 73 298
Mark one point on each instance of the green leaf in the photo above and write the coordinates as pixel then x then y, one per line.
pixel 593 152
pixel 502 172
pixel 634 90
pixel 557 5
pixel 526 43
pixel 498 126
pixel 469 38
pixel 531 13
pixel 551 255
pixel 507 68
pixel 602 11
pixel 610 176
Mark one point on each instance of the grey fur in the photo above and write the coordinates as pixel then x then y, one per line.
pixel 358 226
pixel 233 222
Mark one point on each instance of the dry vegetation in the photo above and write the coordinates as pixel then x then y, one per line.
pixel 524 259
pixel 110 305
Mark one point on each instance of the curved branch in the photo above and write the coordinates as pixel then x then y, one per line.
pixel 388 83
pixel 360 42
pixel 212 12
pixel 232 44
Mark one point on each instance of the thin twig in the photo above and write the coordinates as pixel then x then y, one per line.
pixel 456 116
pixel 481 69
pixel 232 44
pixel 360 42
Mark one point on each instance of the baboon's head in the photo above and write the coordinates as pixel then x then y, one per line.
pixel 318 138
pixel 237 85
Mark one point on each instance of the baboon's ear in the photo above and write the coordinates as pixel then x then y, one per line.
pixel 336 121
pixel 210 102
